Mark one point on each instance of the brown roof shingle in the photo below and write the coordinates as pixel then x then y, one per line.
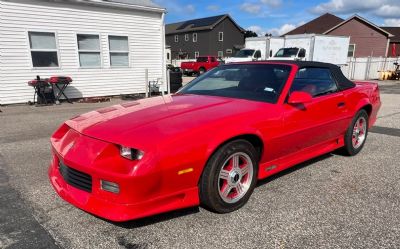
pixel 394 31
pixel 318 25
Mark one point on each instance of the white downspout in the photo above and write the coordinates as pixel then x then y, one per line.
pixel 164 65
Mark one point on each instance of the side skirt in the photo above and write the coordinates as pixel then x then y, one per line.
pixel 272 167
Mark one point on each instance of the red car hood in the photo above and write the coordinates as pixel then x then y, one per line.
pixel 152 118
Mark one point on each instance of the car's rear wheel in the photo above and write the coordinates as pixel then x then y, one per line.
pixel 229 177
pixel 356 134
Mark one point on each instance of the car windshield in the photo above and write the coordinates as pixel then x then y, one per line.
pixel 244 53
pixel 258 82
pixel 287 52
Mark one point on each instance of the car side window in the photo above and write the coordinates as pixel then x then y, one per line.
pixel 315 81
pixel 302 53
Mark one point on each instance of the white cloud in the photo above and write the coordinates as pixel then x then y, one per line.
pixel 346 6
pixel 390 11
pixel 281 30
pixel 190 8
pixel 213 7
pixel 381 8
pixel 272 3
pixel 274 31
pixel 256 29
pixel 393 22
pixel 251 8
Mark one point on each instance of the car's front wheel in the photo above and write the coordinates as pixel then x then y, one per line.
pixel 229 177
pixel 356 134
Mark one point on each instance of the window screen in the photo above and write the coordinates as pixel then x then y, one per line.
pixel 89 50
pixel 119 51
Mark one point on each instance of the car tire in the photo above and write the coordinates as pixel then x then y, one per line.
pixel 229 178
pixel 356 134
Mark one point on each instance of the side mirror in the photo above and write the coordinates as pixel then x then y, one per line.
pixel 299 97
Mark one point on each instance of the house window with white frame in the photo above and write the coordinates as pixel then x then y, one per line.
pixel 220 54
pixel 176 38
pixel 221 36
pixel 43 48
pixel 119 51
pixel 229 51
pixel 196 54
pixel 351 51
pixel 89 50
pixel 186 37
pixel 194 37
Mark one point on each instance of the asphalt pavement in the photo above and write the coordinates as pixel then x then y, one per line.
pixel 329 202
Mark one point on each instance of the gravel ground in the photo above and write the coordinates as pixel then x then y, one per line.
pixel 329 202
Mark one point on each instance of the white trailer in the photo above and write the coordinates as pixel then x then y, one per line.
pixel 312 47
pixel 257 48
pixel 268 46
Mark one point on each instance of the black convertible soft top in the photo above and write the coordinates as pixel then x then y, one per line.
pixel 343 82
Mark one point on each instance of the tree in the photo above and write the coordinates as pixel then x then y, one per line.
pixel 250 33
pixel 267 34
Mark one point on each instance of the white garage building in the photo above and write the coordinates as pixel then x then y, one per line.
pixel 104 45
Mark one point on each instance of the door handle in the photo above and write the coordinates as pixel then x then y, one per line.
pixel 341 104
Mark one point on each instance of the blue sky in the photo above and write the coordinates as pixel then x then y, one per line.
pixel 280 16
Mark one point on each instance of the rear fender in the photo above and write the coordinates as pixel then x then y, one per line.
pixel 362 103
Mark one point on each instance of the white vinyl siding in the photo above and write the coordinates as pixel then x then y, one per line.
pixel 43 47
pixel 89 50
pixel 143 29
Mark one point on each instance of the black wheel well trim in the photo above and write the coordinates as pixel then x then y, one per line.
pixel 367 108
pixel 255 140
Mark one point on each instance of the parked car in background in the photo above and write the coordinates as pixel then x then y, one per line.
pixel 209 143
pixel 200 66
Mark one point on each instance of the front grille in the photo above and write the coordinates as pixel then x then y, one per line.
pixel 76 178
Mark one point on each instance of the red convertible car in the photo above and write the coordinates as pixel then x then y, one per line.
pixel 209 143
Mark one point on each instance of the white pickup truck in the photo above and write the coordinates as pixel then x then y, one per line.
pixel 257 48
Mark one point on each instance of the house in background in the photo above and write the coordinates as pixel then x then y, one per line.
pixel 366 38
pixel 217 35
pixel 394 45
pixel 317 26
pixel 105 46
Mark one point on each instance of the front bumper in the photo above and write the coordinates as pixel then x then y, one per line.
pixel 110 208
pixel 143 191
